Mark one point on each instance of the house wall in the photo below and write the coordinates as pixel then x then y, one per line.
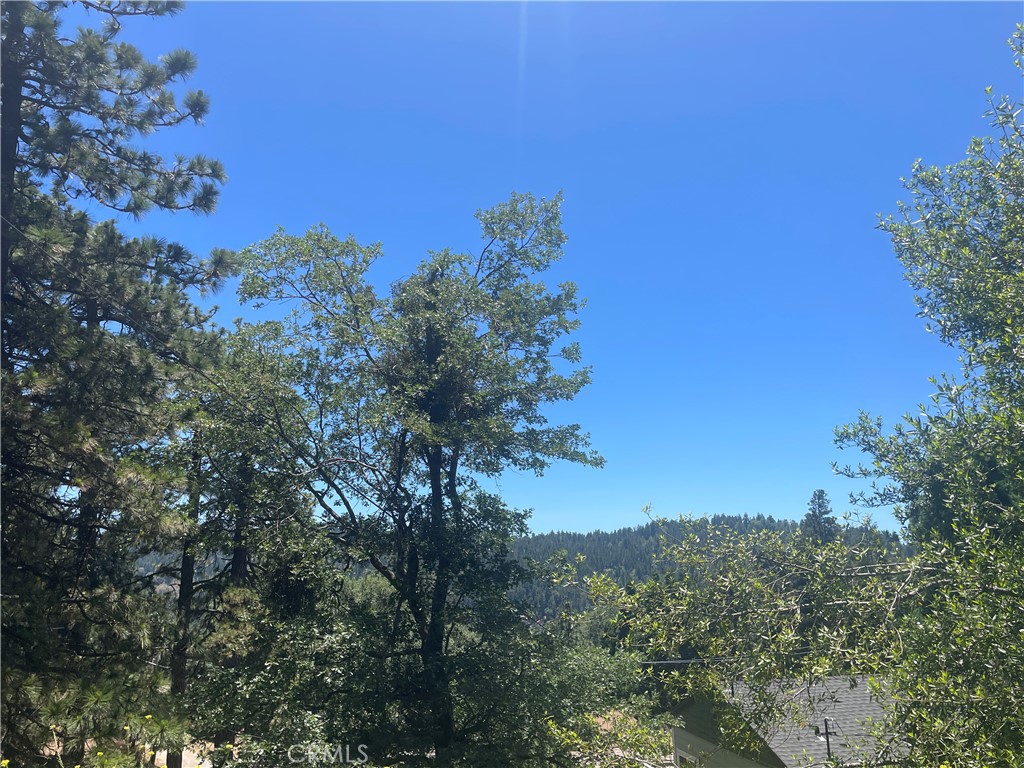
pixel 689 749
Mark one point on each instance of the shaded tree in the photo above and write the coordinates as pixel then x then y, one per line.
pixel 239 496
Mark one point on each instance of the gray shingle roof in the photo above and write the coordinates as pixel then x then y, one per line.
pixel 853 715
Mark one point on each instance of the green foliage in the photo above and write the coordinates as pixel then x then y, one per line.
pixel 246 550
pixel 75 104
pixel 95 330
pixel 958 698
pixel 818 524
pixel 412 396
pixel 629 554
pixel 601 713
pixel 276 667
pixel 960 240
pixel 756 607
pixel 115 711
pixel 957 467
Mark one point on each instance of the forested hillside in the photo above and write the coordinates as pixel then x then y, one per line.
pixel 630 554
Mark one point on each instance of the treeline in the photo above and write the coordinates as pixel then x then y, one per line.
pixel 630 555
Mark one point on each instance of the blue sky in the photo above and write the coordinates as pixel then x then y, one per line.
pixel 722 166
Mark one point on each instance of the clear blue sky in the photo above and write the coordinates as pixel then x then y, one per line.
pixel 722 167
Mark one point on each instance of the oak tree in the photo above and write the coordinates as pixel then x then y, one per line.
pixel 413 396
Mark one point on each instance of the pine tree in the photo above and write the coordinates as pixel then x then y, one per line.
pixel 818 524
pixel 73 106
pixel 95 330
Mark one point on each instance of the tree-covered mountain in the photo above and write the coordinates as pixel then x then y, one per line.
pixel 630 554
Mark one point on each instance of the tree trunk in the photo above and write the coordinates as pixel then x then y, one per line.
pixel 186 592
pixel 435 663
pixel 10 128
pixel 179 653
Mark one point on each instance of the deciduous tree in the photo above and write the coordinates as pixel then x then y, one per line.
pixel 414 396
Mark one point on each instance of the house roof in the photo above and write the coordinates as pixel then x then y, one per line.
pixel 853 715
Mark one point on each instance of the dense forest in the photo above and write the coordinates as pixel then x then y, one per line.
pixel 630 555
pixel 274 544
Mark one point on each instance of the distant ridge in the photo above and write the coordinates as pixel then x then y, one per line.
pixel 628 554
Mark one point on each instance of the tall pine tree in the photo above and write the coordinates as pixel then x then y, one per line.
pixel 95 329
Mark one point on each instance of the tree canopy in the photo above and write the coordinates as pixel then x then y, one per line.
pixel 96 327
pixel 412 396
